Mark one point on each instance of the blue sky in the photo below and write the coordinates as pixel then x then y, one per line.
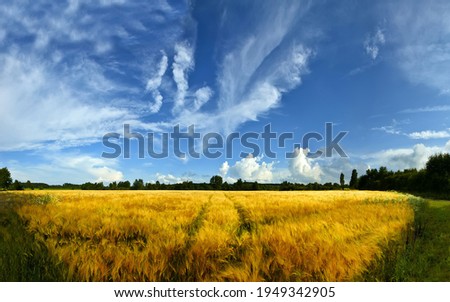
pixel 72 71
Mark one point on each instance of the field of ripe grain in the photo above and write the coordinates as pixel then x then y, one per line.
pixel 215 235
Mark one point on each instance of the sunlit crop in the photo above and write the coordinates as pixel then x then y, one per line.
pixel 215 235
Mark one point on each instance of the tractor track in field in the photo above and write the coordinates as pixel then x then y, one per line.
pixel 179 259
pixel 246 224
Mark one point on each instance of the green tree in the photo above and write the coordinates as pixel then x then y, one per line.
pixel 5 178
pixel 124 185
pixel 216 182
pixel 439 164
pixel 17 185
pixel 138 184
pixel 354 179
pixel 255 186
pixel 238 185
pixel 157 185
pixel 342 180
pixel 438 173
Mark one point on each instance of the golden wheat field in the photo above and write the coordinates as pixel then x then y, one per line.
pixel 215 235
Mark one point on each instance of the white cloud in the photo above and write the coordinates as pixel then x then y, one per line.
pixel 263 97
pixel 425 134
pixel 95 167
pixel 32 100
pixel 202 96
pixel 392 129
pixel 255 74
pixel 183 61
pixel 102 47
pixel 154 83
pixel 373 43
pixel 428 134
pixel 111 2
pixel 405 158
pixel 333 167
pixel 441 108
pixel 170 179
pixel 249 169
pixel 256 69
pixel 303 169
pixel 74 168
pixel 423 51
pixel 59 85
pixel 224 169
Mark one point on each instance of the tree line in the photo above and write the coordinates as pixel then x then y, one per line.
pixel 433 180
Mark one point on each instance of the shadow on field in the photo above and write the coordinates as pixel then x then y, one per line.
pixel 21 257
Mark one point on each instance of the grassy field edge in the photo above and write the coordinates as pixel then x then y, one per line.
pixel 425 254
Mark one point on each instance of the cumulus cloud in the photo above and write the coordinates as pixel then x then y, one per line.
pixel 224 169
pixel 405 158
pixel 249 169
pixel 171 179
pixel 373 43
pixel 333 167
pixel 302 168
pixel 97 168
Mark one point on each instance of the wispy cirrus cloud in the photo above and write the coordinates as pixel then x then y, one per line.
pixel 183 62
pixel 429 134
pixel 32 100
pixel 388 129
pixel 421 31
pixel 253 73
pixel 373 43
pixel 73 64
pixel 395 128
pixel 70 74
pixel 441 108
pixel 77 168
pixel 154 83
